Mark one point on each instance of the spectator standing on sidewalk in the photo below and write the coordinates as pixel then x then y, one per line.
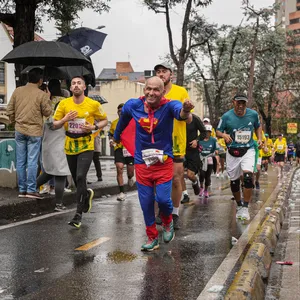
pixel 122 157
pixel 54 161
pixel 26 109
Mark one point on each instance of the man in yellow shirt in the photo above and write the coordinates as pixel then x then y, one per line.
pixel 175 92
pixel 280 153
pixel 267 153
pixel 78 115
pixel 122 157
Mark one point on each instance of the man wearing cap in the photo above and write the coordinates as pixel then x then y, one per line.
pixel 175 92
pixel 237 127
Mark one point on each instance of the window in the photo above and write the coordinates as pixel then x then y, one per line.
pixel 2 72
pixel 294 21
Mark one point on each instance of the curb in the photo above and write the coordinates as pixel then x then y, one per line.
pixel 22 208
pixel 244 272
pixel 249 282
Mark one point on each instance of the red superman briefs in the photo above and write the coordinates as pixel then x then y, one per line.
pixel 155 174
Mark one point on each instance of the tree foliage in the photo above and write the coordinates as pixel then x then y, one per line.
pixel 193 27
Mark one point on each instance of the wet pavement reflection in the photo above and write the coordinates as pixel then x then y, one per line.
pixel 39 260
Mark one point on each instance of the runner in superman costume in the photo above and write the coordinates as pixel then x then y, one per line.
pixel 153 157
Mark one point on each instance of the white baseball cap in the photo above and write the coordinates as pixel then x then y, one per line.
pixel 208 127
pixel 206 120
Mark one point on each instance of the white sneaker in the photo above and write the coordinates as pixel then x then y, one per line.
pixel 218 175
pixel 52 191
pixel 239 210
pixel 66 190
pixel 45 190
pixel 131 182
pixel 121 197
pixel 245 214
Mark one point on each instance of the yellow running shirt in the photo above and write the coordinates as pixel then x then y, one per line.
pixel 88 111
pixel 112 129
pixel 179 131
pixel 280 146
pixel 269 146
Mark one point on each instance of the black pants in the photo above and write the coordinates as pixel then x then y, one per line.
pixel 60 182
pixel 79 165
pixel 96 160
pixel 206 175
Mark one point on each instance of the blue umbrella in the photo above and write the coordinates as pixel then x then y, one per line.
pixel 86 40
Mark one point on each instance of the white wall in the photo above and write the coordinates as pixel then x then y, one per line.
pixel 5 47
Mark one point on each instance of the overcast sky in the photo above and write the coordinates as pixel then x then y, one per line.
pixel 138 35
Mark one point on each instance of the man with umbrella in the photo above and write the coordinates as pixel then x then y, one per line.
pixel 78 114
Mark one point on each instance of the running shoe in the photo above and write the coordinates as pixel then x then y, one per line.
pixel 52 191
pixel 201 192
pixel 257 185
pixel 121 197
pixel 168 232
pixel 176 222
pixel 196 188
pixel 150 245
pixel 100 179
pixel 186 199
pixel 45 189
pixel 66 190
pixel 76 221
pixel 88 201
pixel 131 182
pixel 239 212
pixel 218 175
pixel 245 214
pixel 22 195
pixel 206 195
pixel 59 207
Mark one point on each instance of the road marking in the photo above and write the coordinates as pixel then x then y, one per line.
pixel 92 244
pixel 36 219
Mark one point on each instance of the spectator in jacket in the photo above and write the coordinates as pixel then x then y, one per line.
pixel 27 106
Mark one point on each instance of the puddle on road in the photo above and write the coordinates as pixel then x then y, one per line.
pixel 119 256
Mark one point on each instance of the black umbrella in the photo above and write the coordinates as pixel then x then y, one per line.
pixel 45 53
pixel 86 40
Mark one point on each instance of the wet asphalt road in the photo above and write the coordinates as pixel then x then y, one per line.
pixel 39 260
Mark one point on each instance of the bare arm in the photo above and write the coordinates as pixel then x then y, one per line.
pixel 227 138
pixel 258 132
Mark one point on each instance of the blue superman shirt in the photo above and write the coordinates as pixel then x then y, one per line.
pixel 163 126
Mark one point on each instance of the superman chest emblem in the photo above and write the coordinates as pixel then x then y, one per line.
pixel 146 124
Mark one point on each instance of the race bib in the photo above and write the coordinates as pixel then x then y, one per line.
pixel 210 161
pixel 152 156
pixel 75 126
pixel 280 147
pixel 126 153
pixel 242 137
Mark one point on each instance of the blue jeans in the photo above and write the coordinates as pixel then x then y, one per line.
pixel 27 150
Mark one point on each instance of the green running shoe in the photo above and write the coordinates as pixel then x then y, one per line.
pixel 151 245
pixel 168 232
pixel 76 221
pixel 88 201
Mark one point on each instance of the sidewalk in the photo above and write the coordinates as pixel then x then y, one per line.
pixel 14 208
pixel 284 282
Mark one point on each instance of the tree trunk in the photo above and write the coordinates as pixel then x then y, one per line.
pixel 23 29
pixel 268 126
pixel 180 73
pixel 252 65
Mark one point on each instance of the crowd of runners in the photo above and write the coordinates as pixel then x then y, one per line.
pixel 159 139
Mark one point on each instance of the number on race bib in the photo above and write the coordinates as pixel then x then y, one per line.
pixel 242 137
pixel 75 126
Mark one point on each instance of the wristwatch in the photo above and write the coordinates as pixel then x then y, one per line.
pixel 96 127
